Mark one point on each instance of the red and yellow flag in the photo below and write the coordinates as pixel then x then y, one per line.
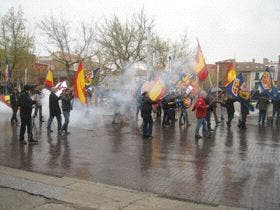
pixel 200 68
pixel 49 79
pixel 79 84
pixel 157 90
pixel 231 75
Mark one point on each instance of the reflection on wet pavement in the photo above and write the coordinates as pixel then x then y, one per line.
pixel 234 168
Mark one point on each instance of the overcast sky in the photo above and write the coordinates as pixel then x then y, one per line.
pixel 241 29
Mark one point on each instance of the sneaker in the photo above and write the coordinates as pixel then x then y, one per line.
pixel 198 137
pixel 150 137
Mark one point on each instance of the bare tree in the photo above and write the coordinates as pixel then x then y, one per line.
pixel 68 47
pixel 17 43
pixel 179 50
pixel 124 43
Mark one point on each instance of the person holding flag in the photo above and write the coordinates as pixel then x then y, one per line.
pixel 201 109
pixel 146 114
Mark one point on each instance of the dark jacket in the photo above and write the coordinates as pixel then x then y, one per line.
pixel 146 106
pixel 54 105
pixel 14 100
pixel 66 102
pixel 244 109
pixel 276 104
pixel 229 104
pixel 25 104
pixel 263 102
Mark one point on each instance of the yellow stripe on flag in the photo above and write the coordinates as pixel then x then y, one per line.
pixel 79 88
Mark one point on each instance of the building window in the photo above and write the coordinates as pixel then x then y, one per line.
pixel 257 76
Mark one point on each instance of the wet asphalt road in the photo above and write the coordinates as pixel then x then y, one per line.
pixel 234 168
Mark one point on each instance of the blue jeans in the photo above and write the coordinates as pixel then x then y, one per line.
pixel 66 115
pixel 147 125
pixel 262 115
pixel 277 113
pixel 201 121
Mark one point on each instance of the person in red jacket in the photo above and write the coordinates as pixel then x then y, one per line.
pixel 201 110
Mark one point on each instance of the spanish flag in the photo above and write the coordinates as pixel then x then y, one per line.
pixel 79 84
pixel 49 79
pixel 200 68
pixel 231 75
pixel 157 90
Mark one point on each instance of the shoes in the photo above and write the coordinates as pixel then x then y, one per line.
pixel 66 132
pixel 211 130
pixel 33 141
pixel 198 137
pixel 208 135
pixel 145 137
pixel 49 130
pixel 150 137
pixel 22 142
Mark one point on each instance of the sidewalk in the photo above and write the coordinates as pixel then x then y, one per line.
pixel 26 190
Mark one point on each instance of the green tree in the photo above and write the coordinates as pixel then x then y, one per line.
pixel 17 43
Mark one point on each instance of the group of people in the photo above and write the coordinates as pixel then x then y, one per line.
pixel 24 101
pixel 205 106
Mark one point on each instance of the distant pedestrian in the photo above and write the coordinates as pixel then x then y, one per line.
pixel 25 104
pixel 38 106
pixel 244 113
pixel 201 110
pixel 262 105
pixel 54 111
pixel 276 110
pixel 14 101
pixel 66 98
pixel 229 105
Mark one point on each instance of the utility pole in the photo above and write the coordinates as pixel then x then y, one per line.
pixel 150 69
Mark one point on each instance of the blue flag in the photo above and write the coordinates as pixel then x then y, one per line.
pixel 239 90
pixel 267 85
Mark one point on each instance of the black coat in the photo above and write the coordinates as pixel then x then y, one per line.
pixel 229 104
pixel 14 100
pixel 66 102
pixel 146 106
pixel 25 104
pixel 54 105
